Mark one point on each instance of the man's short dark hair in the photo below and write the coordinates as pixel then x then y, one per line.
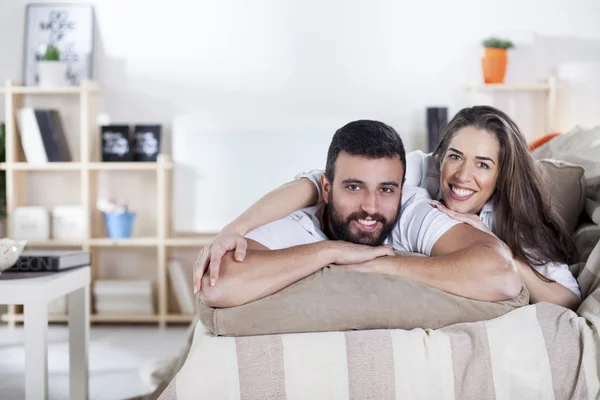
pixel 371 139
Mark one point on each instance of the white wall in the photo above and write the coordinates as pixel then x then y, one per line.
pixel 274 59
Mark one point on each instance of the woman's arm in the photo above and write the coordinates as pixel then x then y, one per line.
pixel 550 292
pixel 276 204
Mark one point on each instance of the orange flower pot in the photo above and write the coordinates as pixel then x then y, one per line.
pixel 493 65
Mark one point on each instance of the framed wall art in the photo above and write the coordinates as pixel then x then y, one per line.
pixel 67 27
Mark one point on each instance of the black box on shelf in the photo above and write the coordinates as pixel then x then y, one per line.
pixel 146 140
pixel 116 143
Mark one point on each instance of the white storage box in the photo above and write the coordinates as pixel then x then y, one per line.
pixel 31 223
pixel 67 222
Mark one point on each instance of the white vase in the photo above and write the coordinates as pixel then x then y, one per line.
pixel 52 73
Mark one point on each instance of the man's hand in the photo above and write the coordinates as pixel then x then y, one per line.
pixel 370 266
pixel 350 253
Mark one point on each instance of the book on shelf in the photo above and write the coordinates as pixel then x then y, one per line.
pixel 42 135
pixel 50 260
pixel 181 284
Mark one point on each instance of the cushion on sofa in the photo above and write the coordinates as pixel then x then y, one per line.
pixel 568 189
pixel 337 299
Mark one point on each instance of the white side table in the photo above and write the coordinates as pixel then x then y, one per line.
pixel 35 290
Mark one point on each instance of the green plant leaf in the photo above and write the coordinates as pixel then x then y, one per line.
pixel 52 53
pixel 497 43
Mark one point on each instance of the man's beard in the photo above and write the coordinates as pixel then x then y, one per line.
pixel 340 228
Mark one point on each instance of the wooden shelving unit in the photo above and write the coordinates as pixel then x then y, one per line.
pixel 87 163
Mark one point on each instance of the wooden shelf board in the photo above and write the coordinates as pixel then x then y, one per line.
pixel 179 317
pixel 502 87
pixel 130 242
pixel 41 90
pixel 127 166
pixel 77 166
pixel 54 243
pixel 122 318
pixel 51 166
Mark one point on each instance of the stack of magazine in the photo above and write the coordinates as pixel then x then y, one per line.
pixel 123 297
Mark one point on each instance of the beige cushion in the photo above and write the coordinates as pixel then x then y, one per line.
pixel 568 189
pixel 336 299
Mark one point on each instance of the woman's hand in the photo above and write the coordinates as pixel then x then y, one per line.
pixel 210 256
pixel 470 219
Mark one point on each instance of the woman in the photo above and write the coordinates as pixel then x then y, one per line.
pixel 483 175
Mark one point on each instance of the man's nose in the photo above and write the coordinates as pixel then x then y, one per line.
pixel 370 203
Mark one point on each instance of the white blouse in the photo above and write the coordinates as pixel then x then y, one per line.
pixel 422 171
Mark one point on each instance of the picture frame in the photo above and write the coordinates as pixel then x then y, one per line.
pixel 146 139
pixel 117 144
pixel 70 27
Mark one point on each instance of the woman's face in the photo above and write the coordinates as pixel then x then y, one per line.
pixel 469 170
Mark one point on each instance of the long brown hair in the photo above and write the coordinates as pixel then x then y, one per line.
pixel 528 222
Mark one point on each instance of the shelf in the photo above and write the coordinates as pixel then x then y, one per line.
pixel 51 166
pixel 503 87
pixel 117 318
pixel 179 317
pixel 130 242
pixel 127 166
pixel 88 167
pixel 77 166
pixel 54 243
pixel 56 90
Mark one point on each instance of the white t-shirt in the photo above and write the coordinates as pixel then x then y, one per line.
pixel 417 230
pixel 422 171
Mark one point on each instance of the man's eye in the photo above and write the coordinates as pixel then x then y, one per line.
pixel 352 187
pixel 387 190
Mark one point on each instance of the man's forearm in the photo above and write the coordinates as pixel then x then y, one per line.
pixel 264 272
pixel 480 273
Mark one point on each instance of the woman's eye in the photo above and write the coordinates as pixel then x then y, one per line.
pixel 483 165
pixel 454 157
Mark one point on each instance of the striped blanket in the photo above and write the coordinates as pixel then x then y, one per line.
pixel 540 351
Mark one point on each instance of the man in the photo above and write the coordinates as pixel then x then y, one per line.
pixel 365 214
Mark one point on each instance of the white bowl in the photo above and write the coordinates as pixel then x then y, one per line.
pixel 10 250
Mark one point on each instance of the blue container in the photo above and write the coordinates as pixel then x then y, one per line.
pixel 119 225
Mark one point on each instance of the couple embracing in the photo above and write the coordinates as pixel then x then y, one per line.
pixel 473 218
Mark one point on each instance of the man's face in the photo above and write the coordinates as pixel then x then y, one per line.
pixel 366 203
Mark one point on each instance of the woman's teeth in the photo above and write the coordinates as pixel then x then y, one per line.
pixel 367 222
pixel 461 192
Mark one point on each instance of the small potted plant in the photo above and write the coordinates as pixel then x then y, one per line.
pixel 52 71
pixel 493 63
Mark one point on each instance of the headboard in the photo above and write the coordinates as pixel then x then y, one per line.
pixel 222 166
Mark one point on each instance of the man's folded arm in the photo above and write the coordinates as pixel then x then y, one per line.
pixel 263 272
pixel 464 261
